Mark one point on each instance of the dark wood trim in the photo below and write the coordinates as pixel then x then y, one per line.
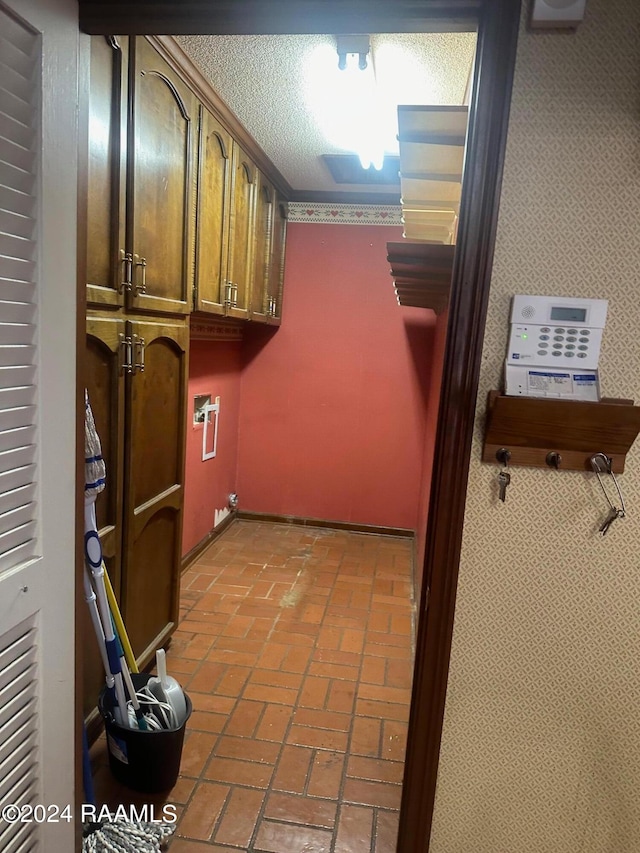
pixel 342 197
pixel 495 62
pixel 203 544
pixel 229 17
pixel 375 529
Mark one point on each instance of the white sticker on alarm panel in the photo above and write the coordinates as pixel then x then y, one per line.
pixel 556 332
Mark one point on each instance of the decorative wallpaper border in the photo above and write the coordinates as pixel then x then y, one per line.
pixel 205 329
pixel 345 214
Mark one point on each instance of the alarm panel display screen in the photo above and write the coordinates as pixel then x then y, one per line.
pixel 568 315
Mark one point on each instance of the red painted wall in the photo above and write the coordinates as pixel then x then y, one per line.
pixel 433 406
pixel 334 405
pixel 214 368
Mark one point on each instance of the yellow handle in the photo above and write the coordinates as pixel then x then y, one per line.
pixel 117 618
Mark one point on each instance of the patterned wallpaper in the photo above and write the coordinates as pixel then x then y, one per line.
pixel 345 214
pixel 541 745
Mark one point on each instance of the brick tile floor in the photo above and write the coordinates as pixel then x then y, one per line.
pixel 295 646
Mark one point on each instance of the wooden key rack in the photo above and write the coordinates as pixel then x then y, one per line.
pixel 533 429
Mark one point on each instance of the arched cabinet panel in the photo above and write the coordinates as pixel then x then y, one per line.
pixel 105 381
pixel 212 222
pixel 243 189
pixel 161 159
pixel 154 472
pixel 136 376
pixel 106 171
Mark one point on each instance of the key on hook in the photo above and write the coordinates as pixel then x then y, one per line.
pixel 611 517
pixel 504 478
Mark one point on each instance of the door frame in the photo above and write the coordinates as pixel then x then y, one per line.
pixel 497 22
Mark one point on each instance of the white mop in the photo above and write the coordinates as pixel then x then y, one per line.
pixel 112 835
pixel 122 836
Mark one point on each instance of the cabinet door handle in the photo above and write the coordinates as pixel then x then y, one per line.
pixel 228 294
pixel 234 295
pixel 126 354
pixel 142 286
pixel 138 349
pixel 126 259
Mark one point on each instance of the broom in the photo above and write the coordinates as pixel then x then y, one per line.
pixel 113 835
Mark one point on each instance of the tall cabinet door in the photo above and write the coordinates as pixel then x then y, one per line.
pixel 161 157
pixel 105 365
pixel 275 285
pixel 106 271
pixel 154 471
pixel 262 232
pixel 214 198
pixel 241 234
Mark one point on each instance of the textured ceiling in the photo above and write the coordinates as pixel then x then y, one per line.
pixel 265 80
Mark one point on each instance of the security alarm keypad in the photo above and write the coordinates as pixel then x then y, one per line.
pixel 556 332
pixel 554 347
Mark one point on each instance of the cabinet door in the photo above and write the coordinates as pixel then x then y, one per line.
pixel 106 171
pixel 240 234
pixel 275 286
pixel 154 466
pixel 214 197
pixel 104 378
pixel 262 232
pixel 161 144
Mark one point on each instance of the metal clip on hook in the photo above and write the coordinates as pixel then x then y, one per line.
pixel 601 464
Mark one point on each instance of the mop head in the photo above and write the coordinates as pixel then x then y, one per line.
pixel 94 467
pixel 122 836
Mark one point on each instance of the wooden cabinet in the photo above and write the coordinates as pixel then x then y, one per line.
pixel 270 224
pixel 241 227
pixel 161 161
pixel 107 171
pixel 154 465
pixel 105 382
pixel 243 186
pixel 136 376
pixel 178 218
pixel 275 282
pixel 213 214
pixel 225 222
pixel 260 303
pixel 139 241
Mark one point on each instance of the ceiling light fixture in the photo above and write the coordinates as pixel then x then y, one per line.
pixel 353 45
pixel 360 82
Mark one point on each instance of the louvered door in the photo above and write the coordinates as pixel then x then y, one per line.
pixel 37 414
pixel 18 729
pixel 18 416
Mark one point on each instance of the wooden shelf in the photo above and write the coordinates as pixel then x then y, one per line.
pixel 532 427
pixel 432 142
pixel 421 273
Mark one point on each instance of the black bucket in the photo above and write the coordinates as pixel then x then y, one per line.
pixel 145 761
